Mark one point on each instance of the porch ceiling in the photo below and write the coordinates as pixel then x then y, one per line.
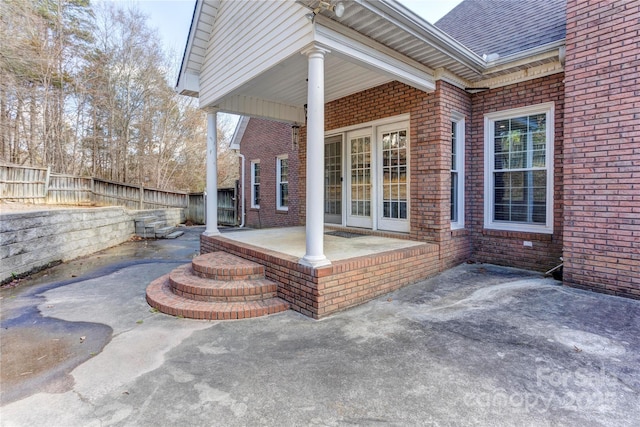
pixel 286 83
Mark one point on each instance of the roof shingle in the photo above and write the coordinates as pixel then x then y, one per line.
pixel 505 26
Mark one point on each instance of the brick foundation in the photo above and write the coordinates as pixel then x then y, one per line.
pixel 320 292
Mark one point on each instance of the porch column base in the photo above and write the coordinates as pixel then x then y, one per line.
pixel 314 261
pixel 210 233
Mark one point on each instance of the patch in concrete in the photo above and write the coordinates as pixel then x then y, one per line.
pixel 589 343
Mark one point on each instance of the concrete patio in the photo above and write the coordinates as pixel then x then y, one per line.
pixel 476 345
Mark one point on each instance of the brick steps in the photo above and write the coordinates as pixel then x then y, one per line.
pixel 183 282
pixel 216 286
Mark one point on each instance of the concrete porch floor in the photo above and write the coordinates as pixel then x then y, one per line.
pixel 291 241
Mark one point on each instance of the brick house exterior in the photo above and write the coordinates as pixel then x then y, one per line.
pixel 264 142
pixel 567 184
pixel 602 147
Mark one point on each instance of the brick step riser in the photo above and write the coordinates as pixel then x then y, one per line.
pixel 233 277
pixel 184 282
pixel 159 296
pixel 210 298
pixel 223 267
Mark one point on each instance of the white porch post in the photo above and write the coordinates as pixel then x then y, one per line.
pixel 314 255
pixel 212 174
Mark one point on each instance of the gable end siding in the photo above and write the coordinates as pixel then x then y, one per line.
pixel 243 44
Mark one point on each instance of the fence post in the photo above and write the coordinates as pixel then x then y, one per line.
pixel 141 197
pixel 93 190
pixel 46 183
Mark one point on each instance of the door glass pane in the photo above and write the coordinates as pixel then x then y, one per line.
pixel 394 175
pixel 360 153
pixel 333 176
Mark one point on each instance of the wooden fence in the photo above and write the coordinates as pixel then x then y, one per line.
pixel 39 185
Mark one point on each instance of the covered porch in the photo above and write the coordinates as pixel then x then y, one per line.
pixel 362 264
pixel 297 58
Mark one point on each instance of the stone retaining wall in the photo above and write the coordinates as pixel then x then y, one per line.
pixel 33 240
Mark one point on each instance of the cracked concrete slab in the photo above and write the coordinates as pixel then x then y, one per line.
pixel 476 345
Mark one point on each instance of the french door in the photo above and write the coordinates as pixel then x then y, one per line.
pixel 375 189
pixel 393 194
pixel 333 179
pixel 359 180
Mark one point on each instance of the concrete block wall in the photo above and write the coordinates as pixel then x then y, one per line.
pixel 32 240
pixel 171 216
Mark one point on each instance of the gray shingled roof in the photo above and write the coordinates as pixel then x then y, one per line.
pixel 505 26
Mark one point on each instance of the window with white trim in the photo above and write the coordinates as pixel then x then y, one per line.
pixel 519 169
pixel 457 171
pixel 282 183
pixel 255 184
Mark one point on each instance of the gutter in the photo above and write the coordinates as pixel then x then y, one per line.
pixel 398 14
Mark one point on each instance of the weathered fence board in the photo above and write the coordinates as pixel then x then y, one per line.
pixel 195 211
pixel 69 190
pixel 227 207
pixel 38 185
pixel 23 183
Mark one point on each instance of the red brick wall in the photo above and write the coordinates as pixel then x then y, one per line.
pixel 602 143
pixel 506 247
pixel 265 140
pixel 430 140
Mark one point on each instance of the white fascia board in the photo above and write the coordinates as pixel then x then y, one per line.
pixel 539 53
pixel 238 134
pixel 354 47
pixel 256 107
pixel 187 50
pixel 404 18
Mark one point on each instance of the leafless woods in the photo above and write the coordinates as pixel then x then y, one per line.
pixel 88 90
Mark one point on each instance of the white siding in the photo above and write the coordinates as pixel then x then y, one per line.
pixel 244 44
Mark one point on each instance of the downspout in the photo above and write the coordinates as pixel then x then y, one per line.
pixel 242 189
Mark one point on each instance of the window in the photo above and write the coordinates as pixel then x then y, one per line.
pixel 457 171
pixel 519 169
pixel 282 183
pixel 255 184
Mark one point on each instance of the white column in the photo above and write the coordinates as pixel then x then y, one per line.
pixel 314 256
pixel 212 174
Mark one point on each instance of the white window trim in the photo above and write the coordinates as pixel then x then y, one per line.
pixel 458 119
pixel 278 182
pixel 253 181
pixel 489 163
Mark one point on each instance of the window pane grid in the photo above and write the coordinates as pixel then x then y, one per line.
pixel 361 176
pixel 333 178
pixel 255 178
pixel 283 182
pixel 394 175
pixel 520 169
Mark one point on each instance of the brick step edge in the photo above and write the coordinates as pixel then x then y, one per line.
pixel 185 283
pixel 160 297
pixel 224 266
